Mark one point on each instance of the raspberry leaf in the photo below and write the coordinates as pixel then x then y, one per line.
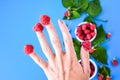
pixel 104 71
pixel 100 35
pixel 89 19
pixel 77 47
pixel 74 14
pixel 100 54
pixel 83 4
pixel 69 3
pixel 94 8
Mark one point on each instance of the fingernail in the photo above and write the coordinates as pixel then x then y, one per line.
pixel 60 21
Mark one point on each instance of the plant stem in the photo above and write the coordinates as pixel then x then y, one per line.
pixel 100 19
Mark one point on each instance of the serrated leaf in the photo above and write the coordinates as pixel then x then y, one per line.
pixel 79 10
pixel 69 3
pixel 74 14
pixel 94 8
pixel 77 47
pixel 104 71
pixel 100 35
pixel 83 4
pixel 100 54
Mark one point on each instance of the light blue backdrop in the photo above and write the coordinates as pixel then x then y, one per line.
pixel 17 17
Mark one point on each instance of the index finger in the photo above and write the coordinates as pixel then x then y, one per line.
pixel 67 39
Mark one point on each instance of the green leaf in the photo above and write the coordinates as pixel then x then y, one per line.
pixel 69 3
pixel 74 14
pixel 89 19
pixel 79 10
pixel 94 8
pixel 83 4
pixel 77 47
pixel 100 54
pixel 104 71
pixel 100 35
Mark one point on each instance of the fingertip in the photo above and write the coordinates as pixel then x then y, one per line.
pixel 45 19
pixel 38 27
pixel 28 48
pixel 60 21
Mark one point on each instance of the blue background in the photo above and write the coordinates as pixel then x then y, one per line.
pixel 17 17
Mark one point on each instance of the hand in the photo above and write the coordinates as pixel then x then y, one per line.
pixel 62 65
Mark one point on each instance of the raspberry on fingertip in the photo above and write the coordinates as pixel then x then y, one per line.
pixel 38 27
pixel 28 48
pixel 45 19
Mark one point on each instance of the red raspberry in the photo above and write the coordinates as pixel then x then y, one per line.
pixel 85 38
pixel 28 48
pixel 115 62
pixel 81 36
pixel 84 27
pixel 108 35
pixel 86 44
pixel 45 19
pixel 92 34
pixel 66 14
pixel 100 77
pixel 92 27
pixel 88 36
pixel 108 78
pixel 38 27
pixel 87 31
pixel 88 24
pixel 79 28
pixel 92 69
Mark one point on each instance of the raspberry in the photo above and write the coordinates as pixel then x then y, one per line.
pixel 92 34
pixel 84 27
pixel 88 36
pixel 45 19
pixel 81 37
pixel 88 24
pixel 92 68
pixel 79 28
pixel 93 26
pixel 115 62
pixel 85 38
pixel 108 35
pixel 28 48
pixel 86 45
pixel 87 31
pixel 38 27
pixel 66 14
pixel 100 77
pixel 108 78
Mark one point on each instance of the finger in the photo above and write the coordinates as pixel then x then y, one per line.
pixel 52 34
pixel 38 60
pixel 85 60
pixel 67 39
pixel 29 49
pixel 44 44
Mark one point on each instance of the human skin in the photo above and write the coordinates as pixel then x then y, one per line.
pixel 63 65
